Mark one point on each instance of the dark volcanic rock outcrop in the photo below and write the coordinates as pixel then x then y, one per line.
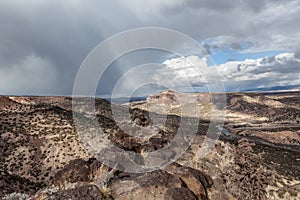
pixel 174 182
pixel 162 184
pixel 85 192
pixel 76 171
pixel 10 183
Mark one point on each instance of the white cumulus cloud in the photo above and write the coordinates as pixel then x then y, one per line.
pixel 280 70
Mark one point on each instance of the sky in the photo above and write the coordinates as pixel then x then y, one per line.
pixel 251 44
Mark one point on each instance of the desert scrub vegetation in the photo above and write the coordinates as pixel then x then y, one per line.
pixel 16 196
pixel 247 178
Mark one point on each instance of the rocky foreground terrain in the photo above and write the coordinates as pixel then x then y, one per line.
pixel 257 156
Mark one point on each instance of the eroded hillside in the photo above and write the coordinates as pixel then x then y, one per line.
pixel 44 156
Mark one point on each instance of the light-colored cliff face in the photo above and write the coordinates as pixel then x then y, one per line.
pixel 240 107
pixel 176 98
pixel 176 103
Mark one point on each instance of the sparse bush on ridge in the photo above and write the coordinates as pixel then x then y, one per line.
pixel 16 196
pixel 248 179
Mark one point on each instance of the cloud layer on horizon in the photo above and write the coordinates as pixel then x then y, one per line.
pixel 279 70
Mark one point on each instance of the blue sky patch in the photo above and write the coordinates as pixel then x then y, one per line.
pixel 226 54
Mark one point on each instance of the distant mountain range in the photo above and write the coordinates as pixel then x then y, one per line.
pixel 275 88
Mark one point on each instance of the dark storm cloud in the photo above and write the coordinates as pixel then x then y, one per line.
pixel 255 5
pixel 212 4
pixel 297 53
pixel 46 40
pixel 270 24
pixel 207 48
pixel 55 32
pixel 236 46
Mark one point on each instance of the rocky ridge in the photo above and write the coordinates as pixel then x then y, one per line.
pixel 43 155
